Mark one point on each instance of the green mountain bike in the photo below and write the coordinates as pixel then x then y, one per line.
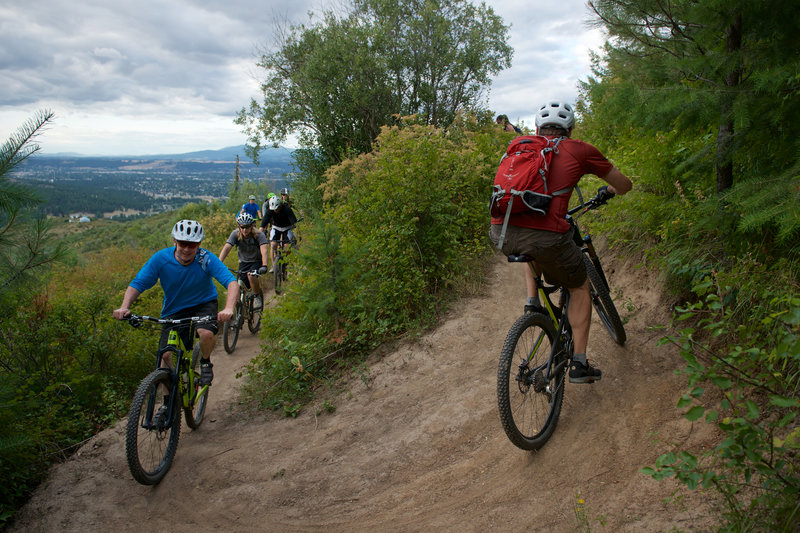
pixel 538 348
pixel 154 425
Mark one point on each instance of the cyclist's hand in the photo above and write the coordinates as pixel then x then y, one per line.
pixel 604 195
pixel 224 315
pixel 262 270
pixel 121 313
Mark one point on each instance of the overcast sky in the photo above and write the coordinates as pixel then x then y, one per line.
pixel 154 77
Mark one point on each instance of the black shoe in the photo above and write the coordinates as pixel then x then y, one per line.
pixel 206 374
pixel 583 373
pixel 534 308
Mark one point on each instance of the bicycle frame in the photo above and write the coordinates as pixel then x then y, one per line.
pixel 181 374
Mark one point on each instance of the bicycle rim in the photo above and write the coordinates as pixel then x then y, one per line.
pixel 230 331
pixel 602 303
pixel 254 316
pixel 150 445
pixel 197 405
pixel 529 417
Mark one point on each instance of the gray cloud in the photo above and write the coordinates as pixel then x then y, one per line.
pixel 194 60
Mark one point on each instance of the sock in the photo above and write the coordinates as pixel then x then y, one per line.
pixel 579 358
pixel 205 361
pixel 532 300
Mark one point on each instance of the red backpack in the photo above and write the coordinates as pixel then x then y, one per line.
pixel 523 173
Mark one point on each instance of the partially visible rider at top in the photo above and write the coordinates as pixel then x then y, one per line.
pixel 549 238
pixel 251 207
pixel 506 124
pixel 186 273
pixel 283 219
pixel 252 247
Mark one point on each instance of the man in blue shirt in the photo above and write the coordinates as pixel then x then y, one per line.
pixel 185 272
pixel 251 207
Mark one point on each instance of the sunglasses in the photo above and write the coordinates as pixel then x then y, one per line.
pixel 187 244
pixel 246 227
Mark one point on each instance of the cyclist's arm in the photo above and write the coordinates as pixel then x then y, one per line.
pixel 617 181
pixel 226 248
pixel 230 302
pixel 125 309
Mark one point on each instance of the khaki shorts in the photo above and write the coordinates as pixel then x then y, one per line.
pixel 557 255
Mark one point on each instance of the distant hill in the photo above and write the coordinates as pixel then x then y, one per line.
pixel 223 154
pixel 142 184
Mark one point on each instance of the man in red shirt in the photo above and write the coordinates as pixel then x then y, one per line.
pixel 549 239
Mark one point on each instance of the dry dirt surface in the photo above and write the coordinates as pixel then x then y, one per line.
pixel 415 443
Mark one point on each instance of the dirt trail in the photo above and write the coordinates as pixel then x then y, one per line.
pixel 415 445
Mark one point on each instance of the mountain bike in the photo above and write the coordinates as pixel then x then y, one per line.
pixel 539 347
pixel 279 264
pixel 154 426
pixel 245 311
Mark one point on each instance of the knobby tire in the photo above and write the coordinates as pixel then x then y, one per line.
pixel 529 417
pixel 277 274
pixel 150 446
pixel 602 303
pixel 230 331
pixel 254 315
pixel 197 408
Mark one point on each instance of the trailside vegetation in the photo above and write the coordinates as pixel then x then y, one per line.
pixel 697 102
pixel 404 228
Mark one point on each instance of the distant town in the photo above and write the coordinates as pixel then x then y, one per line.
pixel 80 188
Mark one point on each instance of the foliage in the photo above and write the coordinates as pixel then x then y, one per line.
pixel 757 375
pixel 66 372
pixel 335 83
pixel 385 253
pixel 26 247
pixel 689 65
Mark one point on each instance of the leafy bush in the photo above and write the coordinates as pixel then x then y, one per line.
pixel 383 255
pixel 754 374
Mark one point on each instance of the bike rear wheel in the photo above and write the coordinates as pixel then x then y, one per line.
pixel 602 303
pixel 529 405
pixel 197 406
pixel 150 444
pixel 254 315
pixel 230 331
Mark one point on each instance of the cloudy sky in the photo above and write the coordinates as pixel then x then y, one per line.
pixel 155 76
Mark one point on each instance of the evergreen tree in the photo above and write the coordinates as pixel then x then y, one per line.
pixel 688 64
pixel 24 244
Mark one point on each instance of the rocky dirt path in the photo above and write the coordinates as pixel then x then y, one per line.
pixel 415 444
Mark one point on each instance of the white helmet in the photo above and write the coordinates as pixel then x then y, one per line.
pixel 245 219
pixel 555 113
pixel 274 202
pixel 188 230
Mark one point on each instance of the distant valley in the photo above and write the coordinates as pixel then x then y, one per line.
pixel 127 186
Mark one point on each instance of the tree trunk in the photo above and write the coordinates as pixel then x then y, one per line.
pixel 724 160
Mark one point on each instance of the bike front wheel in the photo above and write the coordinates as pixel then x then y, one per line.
pixel 529 402
pixel 254 315
pixel 151 437
pixel 230 331
pixel 277 274
pixel 602 303
pixel 197 404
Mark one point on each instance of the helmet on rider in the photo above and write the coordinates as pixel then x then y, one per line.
pixel 285 192
pixel 559 114
pixel 274 202
pixel 188 230
pixel 244 219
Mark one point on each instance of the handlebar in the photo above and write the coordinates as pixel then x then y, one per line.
pixel 138 320
pixel 592 203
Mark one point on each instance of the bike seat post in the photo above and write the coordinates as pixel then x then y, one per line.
pixel 537 277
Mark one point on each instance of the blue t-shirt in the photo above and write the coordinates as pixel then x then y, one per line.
pixel 251 208
pixel 184 286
